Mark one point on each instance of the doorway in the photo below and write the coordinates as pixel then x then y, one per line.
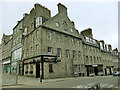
pixel 87 71
pixel 37 70
pixel 96 70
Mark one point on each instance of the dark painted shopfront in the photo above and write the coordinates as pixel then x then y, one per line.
pixel 38 61
pixel 96 69
pixel 109 70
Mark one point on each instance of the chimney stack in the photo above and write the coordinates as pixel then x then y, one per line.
pixel 62 9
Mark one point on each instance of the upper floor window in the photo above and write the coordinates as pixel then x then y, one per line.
pixel 66 38
pixel 79 54
pixel 37 34
pixel 78 42
pixel 31 50
pixel 57 24
pixel 17 28
pixel 27 52
pixel 21 25
pixel 74 53
pixel 59 52
pixel 73 42
pixel 65 25
pixel 15 31
pixel 71 30
pixel 67 53
pixel 49 49
pixel 38 21
pixel 58 37
pixel 37 49
pixel 49 35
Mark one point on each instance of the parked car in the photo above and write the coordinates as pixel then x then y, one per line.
pixel 117 73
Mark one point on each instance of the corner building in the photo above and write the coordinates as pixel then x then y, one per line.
pixel 56 36
pixel 51 47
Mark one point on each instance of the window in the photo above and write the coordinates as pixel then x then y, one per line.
pixel 79 67
pixel 25 31
pixel 57 24
pixel 75 68
pixel 91 59
pixel 27 52
pixel 100 68
pixel 97 60
pixel 32 37
pixel 78 42
pixel 59 52
pixel 27 67
pixel 31 67
pixel 37 49
pixel 67 53
pixel 71 30
pixel 31 50
pixel 66 39
pixel 87 39
pixel 74 53
pixel 73 42
pixel 94 60
pixel 49 35
pixel 65 26
pixel 91 70
pixel 86 59
pixel 37 34
pixel 21 25
pixel 17 28
pixel 58 37
pixel 100 59
pixel 50 68
pixel 38 21
pixel 49 49
pixel 79 54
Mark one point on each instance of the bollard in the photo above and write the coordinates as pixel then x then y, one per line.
pixel 41 79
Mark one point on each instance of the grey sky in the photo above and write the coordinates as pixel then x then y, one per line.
pixel 102 17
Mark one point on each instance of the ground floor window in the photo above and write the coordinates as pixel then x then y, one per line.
pixel 50 68
pixel 100 68
pixel 91 70
pixel 31 68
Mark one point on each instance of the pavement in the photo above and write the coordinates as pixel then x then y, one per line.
pixel 9 81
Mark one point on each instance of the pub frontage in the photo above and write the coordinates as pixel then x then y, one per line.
pixel 35 66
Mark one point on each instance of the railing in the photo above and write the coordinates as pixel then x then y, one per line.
pixel 95 87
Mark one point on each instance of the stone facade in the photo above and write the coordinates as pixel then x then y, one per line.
pixel 6 52
pixel 38 36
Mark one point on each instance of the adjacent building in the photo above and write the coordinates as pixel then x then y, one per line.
pixel 6 52
pixel 51 47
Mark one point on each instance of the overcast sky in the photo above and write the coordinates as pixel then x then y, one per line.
pixel 102 17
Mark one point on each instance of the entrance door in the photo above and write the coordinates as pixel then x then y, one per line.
pixel 37 70
pixel 87 71
pixel 96 70
pixel 110 71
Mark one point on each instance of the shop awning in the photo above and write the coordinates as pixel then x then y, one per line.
pixel 6 62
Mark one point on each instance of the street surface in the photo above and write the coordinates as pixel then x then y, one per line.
pixel 9 81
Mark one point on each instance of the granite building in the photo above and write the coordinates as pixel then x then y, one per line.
pixel 51 47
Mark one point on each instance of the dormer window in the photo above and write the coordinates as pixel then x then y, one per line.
pixel 38 21
pixel 57 24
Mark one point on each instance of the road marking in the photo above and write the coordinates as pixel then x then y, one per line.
pixel 110 86
pixel 104 85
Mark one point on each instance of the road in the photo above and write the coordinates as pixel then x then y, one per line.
pixel 79 82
